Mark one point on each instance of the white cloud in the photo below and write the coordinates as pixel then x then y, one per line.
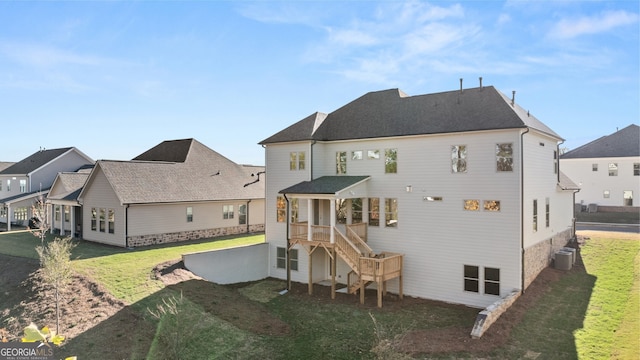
pixel 571 28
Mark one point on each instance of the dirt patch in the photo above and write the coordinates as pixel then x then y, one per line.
pixel 25 299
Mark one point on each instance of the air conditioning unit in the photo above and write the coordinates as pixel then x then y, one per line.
pixel 574 253
pixel 563 260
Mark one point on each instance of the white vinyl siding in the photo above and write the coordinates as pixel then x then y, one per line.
pixel 593 184
pixel 430 235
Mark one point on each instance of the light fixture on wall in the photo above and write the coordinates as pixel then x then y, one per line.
pixel 409 188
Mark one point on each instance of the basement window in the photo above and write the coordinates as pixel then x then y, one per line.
pixel 492 281
pixel 281 258
pixel 471 278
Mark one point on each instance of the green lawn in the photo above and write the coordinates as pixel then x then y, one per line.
pixel 123 272
pixel 591 312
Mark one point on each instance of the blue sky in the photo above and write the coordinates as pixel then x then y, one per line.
pixel 116 78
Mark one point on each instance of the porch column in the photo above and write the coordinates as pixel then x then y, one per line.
pixel 309 219
pixel 72 221
pixel 8 217
pixel 62 219
pixel 332 238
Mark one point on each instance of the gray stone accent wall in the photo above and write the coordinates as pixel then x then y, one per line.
pixel 492 312
pixel 153 239
pixel 539 256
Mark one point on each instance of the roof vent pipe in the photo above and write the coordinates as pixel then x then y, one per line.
pixel 480 82
pixel 460 84
pixel 513 98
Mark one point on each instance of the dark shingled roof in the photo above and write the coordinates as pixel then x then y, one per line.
pixel 323 185
pixel 622 143
pixel 199 175
pixel 169 151
pixel 390 113
pixel 33 162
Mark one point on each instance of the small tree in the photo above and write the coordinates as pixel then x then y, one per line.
pixel 39 222
pixel 55 268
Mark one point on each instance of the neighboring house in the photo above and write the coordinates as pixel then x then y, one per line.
pixel 178 190
pixel 66 211
pixel 607 171
pixel 23 182
pixel 5 164
pixel 454 196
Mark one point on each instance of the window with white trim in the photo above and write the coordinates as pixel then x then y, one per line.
pixel 504 157
pixel 459 159
pixel 227 212
pixel 281 258
pixel 341 162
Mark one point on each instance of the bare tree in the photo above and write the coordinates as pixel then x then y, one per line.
pixel 55 268
pixel 39 222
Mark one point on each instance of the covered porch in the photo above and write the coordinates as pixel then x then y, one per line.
pixel 324 234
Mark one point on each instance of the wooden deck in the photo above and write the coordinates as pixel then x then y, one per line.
pixel 367 266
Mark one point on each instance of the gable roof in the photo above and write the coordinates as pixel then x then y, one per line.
pixel 202 175
pixel 34 161
pixel 67 185
pixel 391 113
pixel 622 143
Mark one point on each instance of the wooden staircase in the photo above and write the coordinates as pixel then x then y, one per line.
pixel 366 266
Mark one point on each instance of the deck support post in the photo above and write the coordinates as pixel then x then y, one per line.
pixel 310 273
pixel 333 273
pixel 380 286
pixel 361 290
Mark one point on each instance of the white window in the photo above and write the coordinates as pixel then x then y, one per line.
pixel 227 212
pixel 613 169
pixel 189 214
pixel 297 160
pixel 373 154
pixel 341 162
pixel 459 159
pixel 390 161
pixel 242 214
pixel 356 155
pixel 374 212
pixel 504 157
pixel 281 258
pixel 23 186
pixel 594 167
pixel 391 212
pixel 535 215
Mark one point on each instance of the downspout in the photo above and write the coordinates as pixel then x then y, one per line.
pixel 522 263
pixel 288 251
pixel 311 160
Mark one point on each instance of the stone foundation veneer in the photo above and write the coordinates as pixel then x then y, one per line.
pixel 540 255
pixel 536 258
pixel 153 239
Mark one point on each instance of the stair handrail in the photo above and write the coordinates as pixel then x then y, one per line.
pixel 350 251
pixel 358 241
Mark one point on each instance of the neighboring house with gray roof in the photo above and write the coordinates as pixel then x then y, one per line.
pixel 607 170
pixel 178 190
pixel 462 188
pixel 25 180
pixel 66 210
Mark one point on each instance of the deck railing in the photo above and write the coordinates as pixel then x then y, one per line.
pixel 385 266
pixel 349 251
pixel 358 241
pixel 300 231
pixel 360 229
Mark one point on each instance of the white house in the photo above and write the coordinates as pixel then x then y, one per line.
pixel 607 170
pixel 22 182
pixel 178 190
pixel 454 196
